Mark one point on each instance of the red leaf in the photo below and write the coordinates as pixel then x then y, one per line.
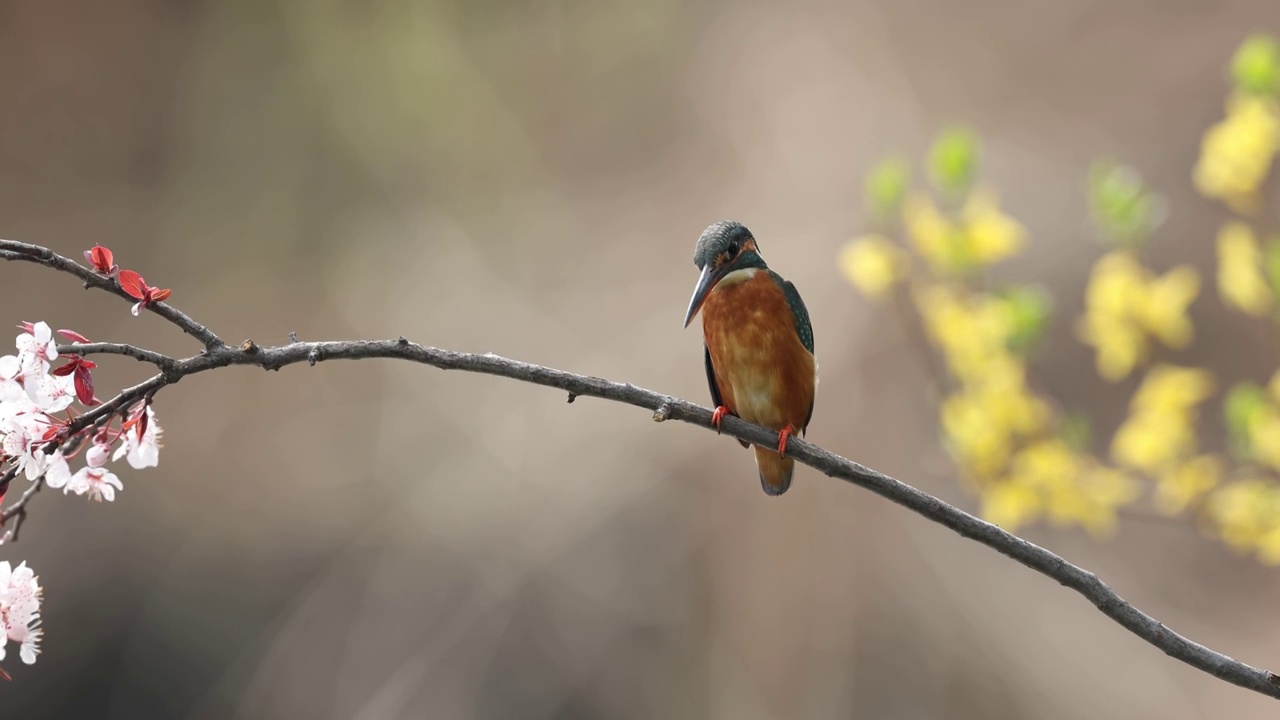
pixel 160 295
pixel 67 369
pixel 142 423
pixel 74 336
pixel 84 386
pixel 132 283
pixel 101 259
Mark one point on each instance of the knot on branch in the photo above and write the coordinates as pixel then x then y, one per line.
pixel 663 412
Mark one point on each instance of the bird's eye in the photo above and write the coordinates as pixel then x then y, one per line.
pixel 734 247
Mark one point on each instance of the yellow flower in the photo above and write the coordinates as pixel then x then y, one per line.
pixel 1183 485
pixel 1240 280
pixel 1092 500
pixel 934 236
pixel 967 330
pixel 982 234
pixel 983 421
pixel 1264 436
pixel 1120 345
pixel 992 235
pixel 1269 547
pixel 1246 513
pixel 1114 297
pixel 873 264
pixel 1116 284
pixel 1045 465
pixel 1163 310
pixel 1048 477
pixel 1236 153
pixel 980 443
pixel 1005 393
pixel 1011 505
pixel 1159 428
pixel 1173 389
pixel 1150 441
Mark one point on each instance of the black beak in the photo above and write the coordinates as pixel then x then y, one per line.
pixel 706 281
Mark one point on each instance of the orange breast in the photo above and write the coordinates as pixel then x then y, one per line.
pixel 764 373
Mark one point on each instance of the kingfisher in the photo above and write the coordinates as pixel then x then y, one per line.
pixel 758 344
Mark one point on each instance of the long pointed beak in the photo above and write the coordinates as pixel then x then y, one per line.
pixel 706 281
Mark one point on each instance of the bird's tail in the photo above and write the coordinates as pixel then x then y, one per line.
pixel 775 471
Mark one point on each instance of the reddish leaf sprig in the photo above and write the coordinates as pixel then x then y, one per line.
pixel 137 288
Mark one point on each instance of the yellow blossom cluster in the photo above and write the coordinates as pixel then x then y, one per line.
pixel 1007 441
pixel 1236 154
pixel 874 265
pixel 1127 306
pixel 1048 478
pixel 992 411
pixel 1159 437
pixel 1001 434
pixel 1246 516
pixel 1242 283
pixel 1245 513
pixel 1015 448
pixel 980 236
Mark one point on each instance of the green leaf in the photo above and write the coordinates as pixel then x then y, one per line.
pixel 887 185
pixel 1031 307
pixel 1240 405
pixel 1076 431
pixel 953 160
pixel 1123 209
pixel 1255 68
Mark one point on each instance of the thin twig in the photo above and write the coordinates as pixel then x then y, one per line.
pixel 665 407
pixel 18 508
pixel 160 360
pixel 12 250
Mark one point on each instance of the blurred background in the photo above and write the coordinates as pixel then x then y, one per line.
pixel 380 540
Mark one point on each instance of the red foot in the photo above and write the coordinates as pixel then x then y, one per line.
pixel 783 435
pixel 718 416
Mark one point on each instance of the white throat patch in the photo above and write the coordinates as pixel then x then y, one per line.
pixel 737 276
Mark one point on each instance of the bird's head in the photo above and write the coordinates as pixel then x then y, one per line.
pixel 722 250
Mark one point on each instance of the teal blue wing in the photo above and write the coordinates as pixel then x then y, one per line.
pixel 804 328
pixel 799 312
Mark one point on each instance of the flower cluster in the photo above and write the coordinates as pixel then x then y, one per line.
pixel 1127 307
pixel 1158 438
pixel 1025 457
pixel 44 430
pixel 36 410
pixel 19 611
pixel 1236 154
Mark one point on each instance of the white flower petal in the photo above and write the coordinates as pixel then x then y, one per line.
pixel 9 366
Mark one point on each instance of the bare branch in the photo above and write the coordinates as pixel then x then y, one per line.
pixel 664 407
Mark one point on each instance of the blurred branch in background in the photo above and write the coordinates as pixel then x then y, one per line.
pixel 218 354
pixel 1028 455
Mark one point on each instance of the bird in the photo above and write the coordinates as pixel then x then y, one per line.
pixel 757 344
